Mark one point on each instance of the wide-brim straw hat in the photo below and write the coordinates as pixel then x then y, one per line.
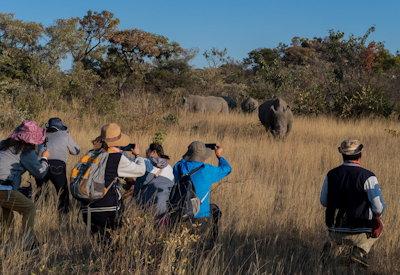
pixel 29 132
pixel 112 135
pixel 350 147
pixel 197 151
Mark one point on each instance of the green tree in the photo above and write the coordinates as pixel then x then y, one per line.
pixel 133 51
pixel 84 38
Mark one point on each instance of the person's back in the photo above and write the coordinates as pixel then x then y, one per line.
pixel 354 204
pixel 105 214
pixel 348 205
pixel 59 144
pixel 203 176
pixel 203 180
pixel 153 189
pixel 10 168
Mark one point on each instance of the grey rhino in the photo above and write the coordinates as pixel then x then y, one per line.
pixel 276 116
pixel 205 104
pixel 249 105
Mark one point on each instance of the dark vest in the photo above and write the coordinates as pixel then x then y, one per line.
pixel 348 204
pixel 111 172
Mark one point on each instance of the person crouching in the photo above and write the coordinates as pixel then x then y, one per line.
pixel 354 203
pixel 106 213
pixel 203 176
pixel 153 189
pixel 18 155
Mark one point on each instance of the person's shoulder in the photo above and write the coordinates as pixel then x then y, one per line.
pixel 367 173
pixel 178 163
pixel 208 166
pixel 335 170
pixel 168 168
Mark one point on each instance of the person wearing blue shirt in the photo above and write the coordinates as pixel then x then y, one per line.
pixel 209 214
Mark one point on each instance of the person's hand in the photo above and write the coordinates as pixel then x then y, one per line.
pixel 45 154
pixel 136 150
pixel 218 151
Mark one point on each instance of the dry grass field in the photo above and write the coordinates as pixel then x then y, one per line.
pixel 272 220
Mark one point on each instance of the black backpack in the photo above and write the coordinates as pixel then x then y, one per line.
pixel 183 202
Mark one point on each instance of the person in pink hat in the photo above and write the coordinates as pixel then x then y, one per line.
pixel 17 156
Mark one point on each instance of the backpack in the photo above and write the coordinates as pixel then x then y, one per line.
pixel 183 202
pixel 87 177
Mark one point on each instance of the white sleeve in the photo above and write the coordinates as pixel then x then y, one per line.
pixel 324 193
pixel 371 186
pixel 131 168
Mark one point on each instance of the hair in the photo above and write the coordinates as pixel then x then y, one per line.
pixel 18 146
pixel 352 157
pixel 159 149
pixel 101 140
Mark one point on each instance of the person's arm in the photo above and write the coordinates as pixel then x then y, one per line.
pixel 324 193
pixel 35 166
pixel 371 186
pixel 40 149
pixel 73 147
pixel 219 172
pixel 131 169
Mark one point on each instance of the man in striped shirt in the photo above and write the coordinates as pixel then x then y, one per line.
pixel 354 203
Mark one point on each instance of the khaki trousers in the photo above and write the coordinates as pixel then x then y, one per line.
pixel 15 201
pixel 361 240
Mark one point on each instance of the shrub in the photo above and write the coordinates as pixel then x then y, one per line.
pixel 363 102
pixel 311 102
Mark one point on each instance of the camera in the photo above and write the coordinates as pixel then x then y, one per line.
pixel 212 146
pixel 128 147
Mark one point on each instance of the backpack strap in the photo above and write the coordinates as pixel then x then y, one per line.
pixel 204 198
pixel 155 175
pixel 195 170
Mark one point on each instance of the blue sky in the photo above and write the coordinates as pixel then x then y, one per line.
pixel 237 25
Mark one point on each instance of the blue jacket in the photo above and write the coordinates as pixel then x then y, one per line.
pixel 203 180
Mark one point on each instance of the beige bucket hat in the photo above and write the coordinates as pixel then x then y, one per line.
pixel 112 135
pixel 350 147
pixel 197 151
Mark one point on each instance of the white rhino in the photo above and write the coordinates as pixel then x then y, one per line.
pixel 205 104
pixel 276 116
pixel 249 105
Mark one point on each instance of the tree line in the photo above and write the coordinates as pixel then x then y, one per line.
pixel 338 75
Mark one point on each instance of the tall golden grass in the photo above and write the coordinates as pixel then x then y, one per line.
pixel 272 220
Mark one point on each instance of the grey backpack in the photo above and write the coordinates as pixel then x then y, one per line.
pixel 87 177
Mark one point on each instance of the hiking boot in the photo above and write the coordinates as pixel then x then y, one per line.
pixel 359 256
